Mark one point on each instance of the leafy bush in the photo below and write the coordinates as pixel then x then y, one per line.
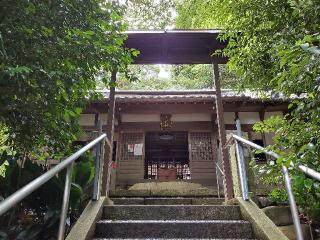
pixel 38 215
pixel 295 145
pixel 275 46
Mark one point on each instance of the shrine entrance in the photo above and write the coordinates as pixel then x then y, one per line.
pixel 167 155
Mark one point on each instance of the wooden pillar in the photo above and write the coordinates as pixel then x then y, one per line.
pixel 261 116
pixel 113 175
pixel 227 178
pixel 96 119
pixel 110 132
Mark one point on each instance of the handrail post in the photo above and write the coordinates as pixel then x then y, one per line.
pixel 241 164
pixel 218 187
pixel 292 203
pixel 65 203
pixel 97 173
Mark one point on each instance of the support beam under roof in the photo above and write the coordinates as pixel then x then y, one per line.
pixel 176 46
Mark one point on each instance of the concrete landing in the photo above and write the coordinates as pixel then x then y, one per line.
pixel 166 189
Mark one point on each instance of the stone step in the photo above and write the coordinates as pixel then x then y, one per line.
pixel 172 239
pixel 201 192
pixel 167 201
pixel 172 212
pixel 174 229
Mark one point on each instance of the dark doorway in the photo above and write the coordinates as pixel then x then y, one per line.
pixel 259 157
pixel 166 150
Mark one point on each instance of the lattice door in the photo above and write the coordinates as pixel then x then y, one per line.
pixel 130 160
pixel 130 138
pixel 201 146
pixel 202 150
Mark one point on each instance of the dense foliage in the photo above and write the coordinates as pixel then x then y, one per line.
pixel 51 54
pixel 179 77
pixel 274 45
pixel 149 14
pixel 38 215
pixel 151 77
pixel 200 76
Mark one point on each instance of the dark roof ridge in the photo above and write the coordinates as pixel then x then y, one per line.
pixel 162 92
pixel 200 94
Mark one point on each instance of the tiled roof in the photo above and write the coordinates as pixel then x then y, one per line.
pixel 194 95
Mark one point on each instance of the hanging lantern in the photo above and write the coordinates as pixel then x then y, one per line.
pixel 165 122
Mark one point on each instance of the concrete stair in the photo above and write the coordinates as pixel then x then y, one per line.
pixel 172 212
pixel 172 221
pixel 167 201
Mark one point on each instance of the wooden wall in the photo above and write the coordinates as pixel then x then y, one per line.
pixel 130 167
pixel 198 119
pixel 203 157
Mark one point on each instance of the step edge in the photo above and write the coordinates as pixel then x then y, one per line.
pixel 174 238
pixel 107 221
pixel 173 205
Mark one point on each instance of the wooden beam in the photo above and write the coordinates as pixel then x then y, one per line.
pixel 110 132
pixel 156 107
pixel 155 126
pixel 177 126
pixel 254 107
pixel 166 108
pixel 227 178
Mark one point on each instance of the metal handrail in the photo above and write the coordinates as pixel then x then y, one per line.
pixel 244 184
pixel 242 164
pixel 22 193
pixel 217 177
pixel 220 170
pixel 308 171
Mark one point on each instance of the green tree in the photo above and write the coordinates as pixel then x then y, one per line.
pixel 181 77
pixel 193 76
pixel 50 55
pixel 149 14
pixel 274 45
pixel 200 76
pixel 191 14
pixel 145 77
